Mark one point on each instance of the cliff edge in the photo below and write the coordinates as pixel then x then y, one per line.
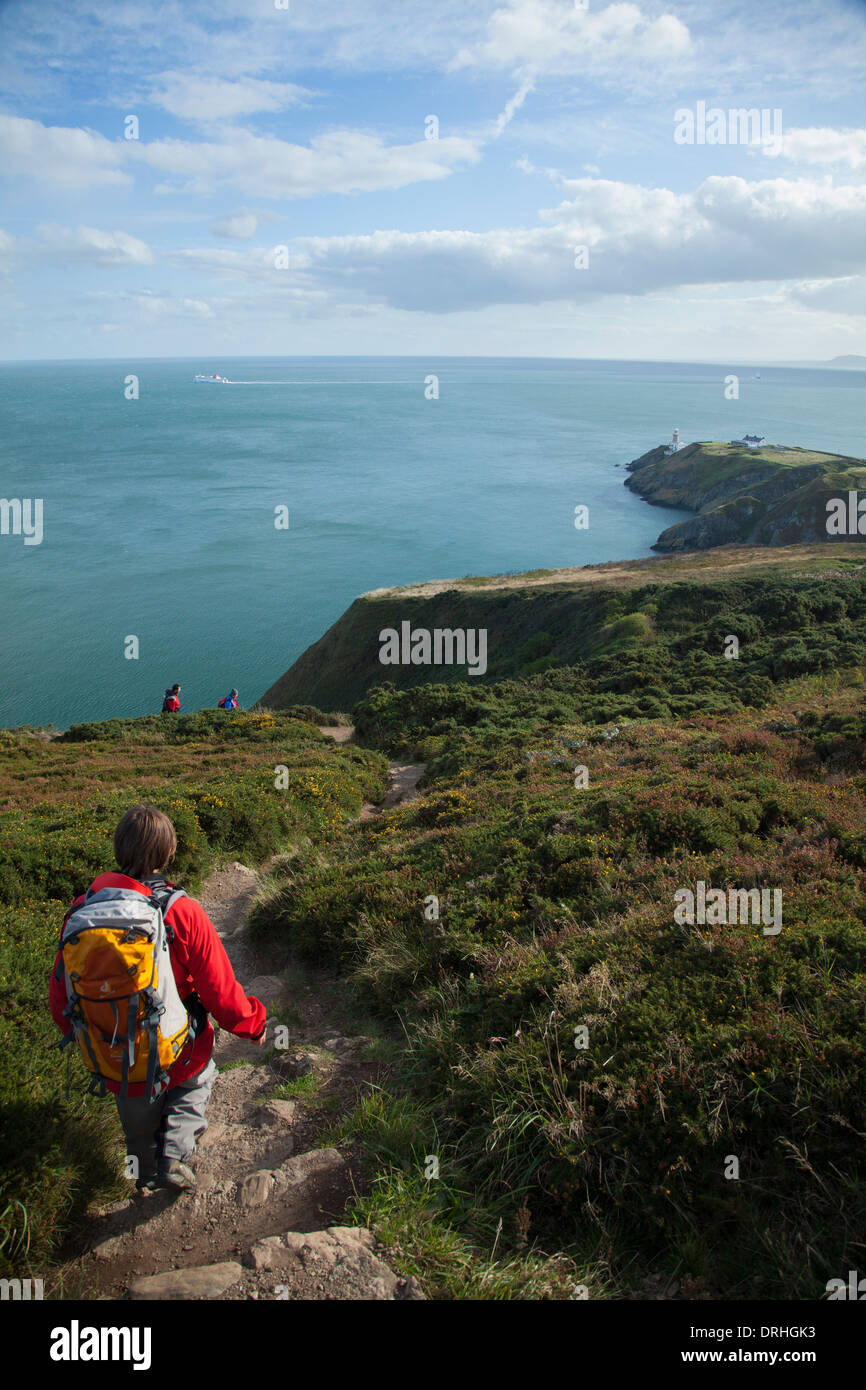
pixel 773 495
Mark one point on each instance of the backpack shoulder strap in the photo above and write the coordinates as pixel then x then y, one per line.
pixel 67 915
pixel 164 896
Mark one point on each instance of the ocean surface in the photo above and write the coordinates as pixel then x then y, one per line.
pixel 159 512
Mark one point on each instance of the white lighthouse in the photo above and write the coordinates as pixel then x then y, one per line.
pixel 674 444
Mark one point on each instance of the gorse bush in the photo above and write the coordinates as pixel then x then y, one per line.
pixel 555 912
pixel 508 909
pixel 221 726
pixel 651 652
pixel 56 1150
pixel 216 781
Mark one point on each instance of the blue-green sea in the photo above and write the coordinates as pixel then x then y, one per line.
pixel 159 511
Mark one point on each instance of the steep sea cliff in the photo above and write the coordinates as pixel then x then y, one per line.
pixel 769 496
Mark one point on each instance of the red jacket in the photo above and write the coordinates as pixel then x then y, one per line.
pixel 200 965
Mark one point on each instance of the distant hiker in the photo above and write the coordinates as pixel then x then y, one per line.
pixel 229 701
pixel 143 1030
pixel 171 703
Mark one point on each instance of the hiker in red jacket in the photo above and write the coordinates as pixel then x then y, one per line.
pixel 171 703
pixel 161 1133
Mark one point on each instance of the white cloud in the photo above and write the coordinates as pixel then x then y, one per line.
pixel 342 161
pixel 256 166
pixel 240 226
pixel 254 264
pixel 822 145
pixel 7 249
pixel 640 240
pixel 60 155
pixel 153 305
pixel 514 104
pixel 559 38
pixel 93 245
pixel 843 296
pixel 196 98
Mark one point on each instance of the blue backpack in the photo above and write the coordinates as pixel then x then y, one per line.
pixel 228 703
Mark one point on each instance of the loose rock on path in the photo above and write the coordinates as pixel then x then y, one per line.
pixel 267 1217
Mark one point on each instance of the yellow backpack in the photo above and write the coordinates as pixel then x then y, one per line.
pixel 126 1014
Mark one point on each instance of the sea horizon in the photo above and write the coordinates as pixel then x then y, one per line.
pixel 159 498
pixel 793 363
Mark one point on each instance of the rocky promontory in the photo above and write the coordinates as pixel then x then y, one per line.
pixel 772 495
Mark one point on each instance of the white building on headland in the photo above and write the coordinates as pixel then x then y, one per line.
pixel 752 441
pixel 675 443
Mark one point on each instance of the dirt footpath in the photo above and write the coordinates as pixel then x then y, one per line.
pixel 267 1217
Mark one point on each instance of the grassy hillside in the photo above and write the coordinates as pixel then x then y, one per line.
pixel 769 496
pixel 611 757
pixel 60 800
pixel 562 618
pixel 556 913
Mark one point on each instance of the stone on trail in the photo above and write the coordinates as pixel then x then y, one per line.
pixel 256 1188
pixel 342 1258
pixel 341 1044
pixel 315 1163
pixel 204 1281
pixel 107 1249
pixel 294 1064
pixel 306 1168
pixel 277 1113
pixel 214 1134
pixel 266 988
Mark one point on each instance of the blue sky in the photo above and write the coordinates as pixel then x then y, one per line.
pixel 306 128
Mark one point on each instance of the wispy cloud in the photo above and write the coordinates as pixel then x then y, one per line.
pixel 93 245
pixel 207 99
pixel 341 161
pixel 240 226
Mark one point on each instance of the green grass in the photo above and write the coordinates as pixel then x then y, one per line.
pixel 214 775
pixel 559 1166
pixel 431 1225
pixel 659 623
pixel 305 1086
pixel 556 911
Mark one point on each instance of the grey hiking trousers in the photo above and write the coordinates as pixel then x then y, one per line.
pixel 159 1132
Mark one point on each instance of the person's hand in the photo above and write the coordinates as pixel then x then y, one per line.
pixel 260 1042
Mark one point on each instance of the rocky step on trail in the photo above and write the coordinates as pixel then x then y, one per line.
pixel 402 781
pixel 265 1218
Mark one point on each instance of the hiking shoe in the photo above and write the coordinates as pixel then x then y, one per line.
pixel 146 1188
pixel 178 1175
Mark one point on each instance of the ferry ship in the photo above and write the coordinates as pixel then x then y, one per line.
pixel 216 377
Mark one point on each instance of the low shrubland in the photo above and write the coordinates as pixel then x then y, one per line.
pixel 214 775
pixel 711 1126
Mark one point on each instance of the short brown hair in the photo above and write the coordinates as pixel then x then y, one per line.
pixel 144 841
